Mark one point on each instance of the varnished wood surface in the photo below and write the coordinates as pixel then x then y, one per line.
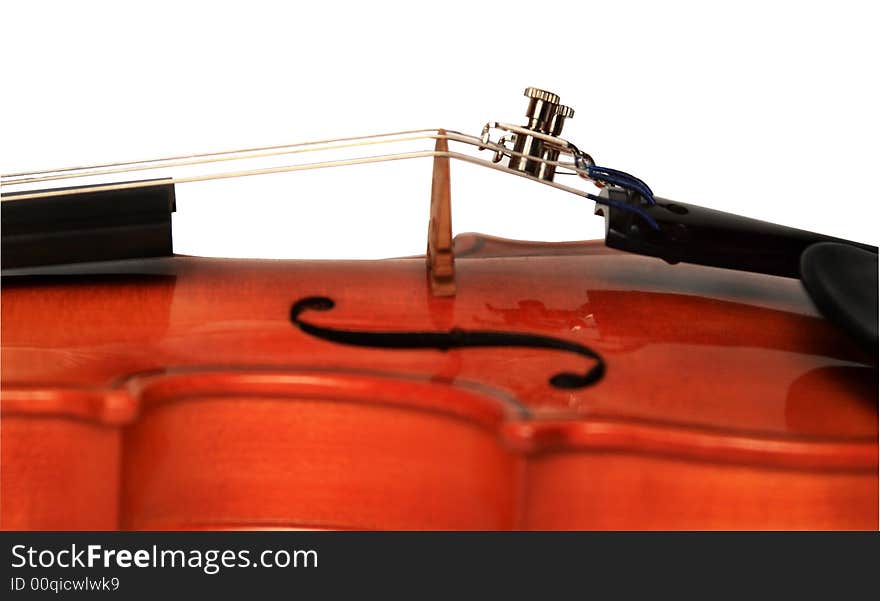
pixel 176 393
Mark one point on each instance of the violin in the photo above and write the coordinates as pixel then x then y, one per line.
pixel 693 370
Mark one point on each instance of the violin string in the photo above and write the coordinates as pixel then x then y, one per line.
pixel 298 167
pixel 246 154
pixel 364 140
pixel 210 158
pixel 212 154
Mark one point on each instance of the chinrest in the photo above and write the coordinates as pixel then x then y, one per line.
pixel 842 281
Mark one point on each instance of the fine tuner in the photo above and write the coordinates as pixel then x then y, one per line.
pixel 536 145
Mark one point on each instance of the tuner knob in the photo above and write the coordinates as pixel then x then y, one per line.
pixel 542 108
pixel 546 116
pixel 565 111
pixel 558 120
pixel 541 95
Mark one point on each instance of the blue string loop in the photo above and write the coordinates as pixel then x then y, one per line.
pixel 615 177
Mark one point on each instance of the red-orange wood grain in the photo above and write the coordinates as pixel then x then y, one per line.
pixel 176 393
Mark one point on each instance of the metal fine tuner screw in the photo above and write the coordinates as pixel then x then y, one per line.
pixel 542 107
pixel 545 116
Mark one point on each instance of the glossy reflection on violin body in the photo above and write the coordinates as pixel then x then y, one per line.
pixel 727 401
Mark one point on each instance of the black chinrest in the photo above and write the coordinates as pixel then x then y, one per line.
pixel 841 279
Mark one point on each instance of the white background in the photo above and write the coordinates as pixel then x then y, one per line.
pixel 764 109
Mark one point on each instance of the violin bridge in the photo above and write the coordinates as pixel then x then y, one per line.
pixel 440 256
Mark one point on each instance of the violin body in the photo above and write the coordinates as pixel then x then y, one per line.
pixel 179 393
